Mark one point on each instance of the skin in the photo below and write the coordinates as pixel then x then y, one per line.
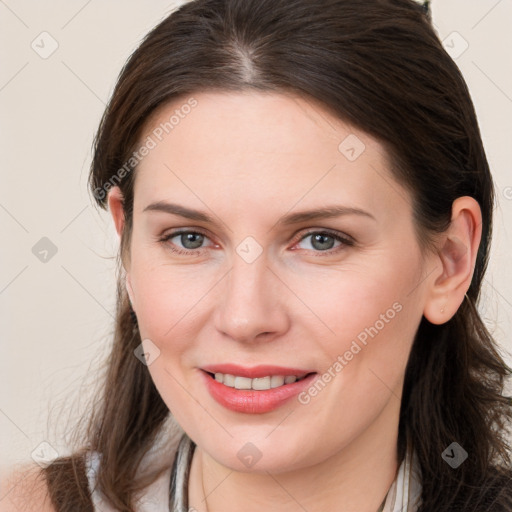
pixel 248 159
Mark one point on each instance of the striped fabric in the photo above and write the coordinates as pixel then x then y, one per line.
pixel 170 492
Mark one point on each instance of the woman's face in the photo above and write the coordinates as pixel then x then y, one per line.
pixel 263 283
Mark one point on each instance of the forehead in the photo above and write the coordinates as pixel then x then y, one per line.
pixel 259 147
pixel 254 121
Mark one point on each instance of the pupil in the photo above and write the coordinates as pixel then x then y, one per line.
pixel 189 237
pixel 321 237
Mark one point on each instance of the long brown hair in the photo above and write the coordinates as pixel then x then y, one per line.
pixel 378 65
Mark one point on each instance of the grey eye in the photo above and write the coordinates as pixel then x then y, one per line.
pixel 191 240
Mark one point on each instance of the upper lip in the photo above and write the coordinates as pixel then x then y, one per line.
pixel 255 372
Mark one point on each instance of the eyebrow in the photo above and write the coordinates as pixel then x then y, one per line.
pixel 293 218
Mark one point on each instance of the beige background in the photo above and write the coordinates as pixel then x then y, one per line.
pixel 56 316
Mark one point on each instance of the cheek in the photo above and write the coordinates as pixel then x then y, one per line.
pixel 350 299
pixel 366 315
pixel 168 298
pixel 373 323
pixel 166 312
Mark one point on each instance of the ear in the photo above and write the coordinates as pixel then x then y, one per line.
pixel 456 260
pixel 115 204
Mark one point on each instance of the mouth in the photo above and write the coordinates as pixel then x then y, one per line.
pixel 256 395
pixel 263 383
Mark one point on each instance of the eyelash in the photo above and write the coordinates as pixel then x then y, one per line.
pixel 346 241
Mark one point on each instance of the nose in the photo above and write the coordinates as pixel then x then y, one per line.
pixel 251 302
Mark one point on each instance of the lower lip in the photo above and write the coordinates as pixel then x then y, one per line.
pixel 254 402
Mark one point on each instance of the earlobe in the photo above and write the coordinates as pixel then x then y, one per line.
pixel 115 205
pixel 456 261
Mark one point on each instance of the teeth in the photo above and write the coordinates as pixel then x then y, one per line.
pixel 259 384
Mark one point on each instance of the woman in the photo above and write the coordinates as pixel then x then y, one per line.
pixel 304 207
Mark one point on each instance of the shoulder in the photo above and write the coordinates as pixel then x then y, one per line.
pixel 25 489
pixel 63 485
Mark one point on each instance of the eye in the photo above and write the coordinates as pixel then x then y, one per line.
pixel 323 241
pixel 190 240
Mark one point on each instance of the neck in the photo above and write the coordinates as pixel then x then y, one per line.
pixel 357 477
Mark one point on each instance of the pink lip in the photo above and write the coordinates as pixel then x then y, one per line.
pixel 255 372
pixel 251 401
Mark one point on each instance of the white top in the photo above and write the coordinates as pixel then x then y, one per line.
pixel 403 495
